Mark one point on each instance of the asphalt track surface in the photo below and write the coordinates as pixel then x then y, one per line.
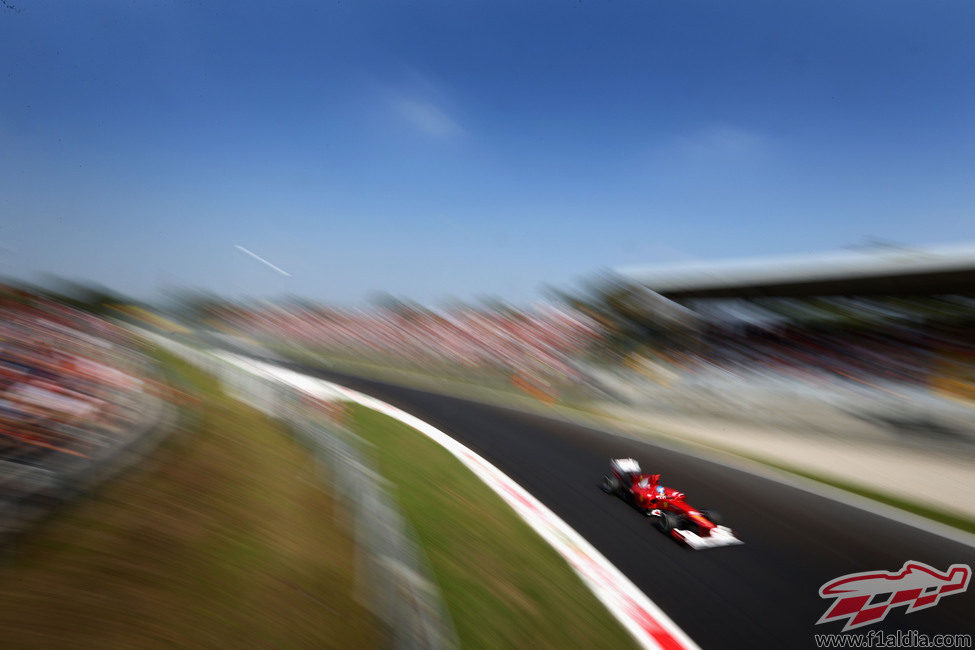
pixel 763 594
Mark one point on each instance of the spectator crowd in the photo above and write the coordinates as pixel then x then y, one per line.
pixel 549 342
pixel 70 383
pixel 538 342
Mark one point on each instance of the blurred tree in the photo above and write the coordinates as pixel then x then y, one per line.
pixel 406 309
pixel 88 296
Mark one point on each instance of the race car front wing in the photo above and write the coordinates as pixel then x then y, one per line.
pixel 720 536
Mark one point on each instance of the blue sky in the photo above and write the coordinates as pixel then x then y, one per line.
pixel 435 149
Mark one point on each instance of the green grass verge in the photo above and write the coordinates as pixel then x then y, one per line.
pixel 502 584
pixel 445 378
pixel 222 538
pixel 505 394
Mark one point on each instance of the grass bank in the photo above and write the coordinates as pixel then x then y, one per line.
pixel 223 538
pixel 502 584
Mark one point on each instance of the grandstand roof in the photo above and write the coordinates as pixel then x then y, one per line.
pixel 881 270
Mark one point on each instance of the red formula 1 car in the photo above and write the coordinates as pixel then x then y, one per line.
pixel 666 506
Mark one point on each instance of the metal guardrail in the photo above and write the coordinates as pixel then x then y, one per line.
pixel 393 577
pixel 392 573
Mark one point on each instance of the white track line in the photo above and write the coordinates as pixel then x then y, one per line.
pixel 639 615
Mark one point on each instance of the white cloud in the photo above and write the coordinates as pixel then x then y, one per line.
pixel 722 141
pixel 426 118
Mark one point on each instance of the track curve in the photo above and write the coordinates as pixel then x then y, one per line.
pixel 761 594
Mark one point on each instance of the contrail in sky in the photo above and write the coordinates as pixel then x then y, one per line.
pixel 263 261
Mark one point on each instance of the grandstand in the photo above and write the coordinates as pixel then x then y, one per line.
pixel 874 271
pixel 872 323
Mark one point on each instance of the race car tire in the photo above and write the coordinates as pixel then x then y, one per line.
pixel 610 485
pixel 713 517
pixel 665 522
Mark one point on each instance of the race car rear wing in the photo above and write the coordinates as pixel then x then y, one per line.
pixel 625 465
